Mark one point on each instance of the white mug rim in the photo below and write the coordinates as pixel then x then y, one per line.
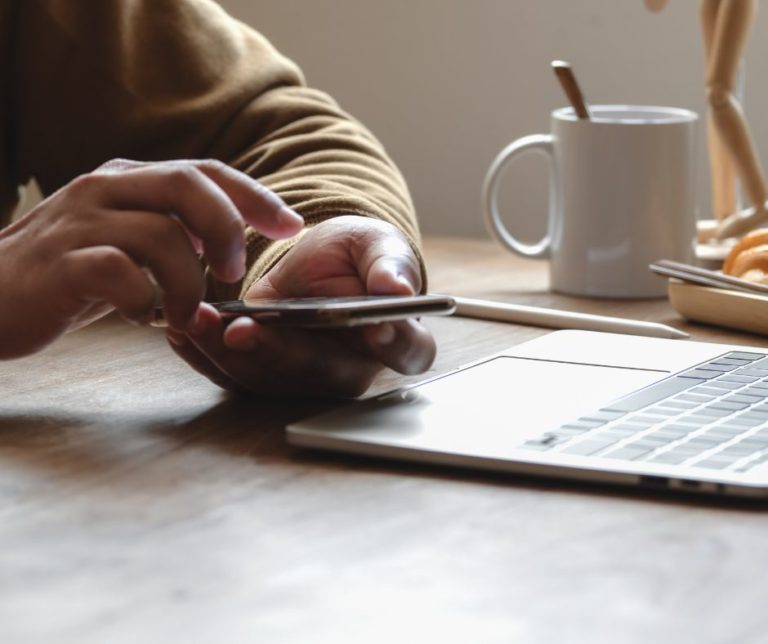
pixel 635 115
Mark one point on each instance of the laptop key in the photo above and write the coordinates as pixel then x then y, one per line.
pixel 754 414
pixel 669 458
pixel 729 405
pixel 714 412
pixel 685 400
pixel 752 371
pixel 700 373
pixel 750 464
pixel 587 424
pixel 756 442
pixel 745 421
pixel 739 379
pixel 741 362
pixel 733 361
pixel 736 448
pixel 719 366
pixel 607 436
pixel 724 385
pixel 601 416
pixel 690 450
pixel 628 452
pixel 707 391
pixel 697 420
pixel 654 393
pixel 644 421
pixel 724 433
pixel 534 445
pixel 653 439
pixel 744 355
pixel 743 398
pixel 701 441
pixel 727 424
pixel 587 447
pixel 679 427
pixel 713 464
pixel 667 434
pixel 566 434
pixel 578 427
pixel 662 410
pixel 628 429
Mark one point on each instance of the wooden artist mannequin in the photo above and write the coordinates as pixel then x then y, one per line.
pixel 725 28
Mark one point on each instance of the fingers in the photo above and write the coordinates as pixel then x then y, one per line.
pixel 391 267
pixel 270 360
pixel 241 334
pixel 406 347
pixel 254 201
pixel 238 186
pixel 187 351
pixel 213 201
pixel 347 255
pixel 161 244
pixel 106 273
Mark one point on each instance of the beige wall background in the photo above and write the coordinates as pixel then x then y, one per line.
pixel 446 83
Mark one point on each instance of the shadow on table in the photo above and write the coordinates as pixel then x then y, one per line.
pixel 90 444
pixel 265 441
pixel 80 449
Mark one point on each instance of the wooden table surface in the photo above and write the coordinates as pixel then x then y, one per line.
pixel 139 504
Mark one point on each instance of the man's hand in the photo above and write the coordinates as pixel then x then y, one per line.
pixel 347 255
pixel 89 247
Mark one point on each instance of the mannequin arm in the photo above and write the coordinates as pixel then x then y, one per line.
pixel 732 24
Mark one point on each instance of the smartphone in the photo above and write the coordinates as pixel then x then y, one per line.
pixel 332 311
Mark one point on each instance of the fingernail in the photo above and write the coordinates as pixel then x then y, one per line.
pixel 197 325
pixel 402 279
pixel 141 320
pixel 236 268
pixel 176 338
pixel 384 333
pixel 290 216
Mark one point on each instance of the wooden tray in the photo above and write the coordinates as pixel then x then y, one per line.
pixel 721 307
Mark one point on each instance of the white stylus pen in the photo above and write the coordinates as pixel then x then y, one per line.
pixel 555 319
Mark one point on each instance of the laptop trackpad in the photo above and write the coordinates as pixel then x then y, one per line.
pixel 489 407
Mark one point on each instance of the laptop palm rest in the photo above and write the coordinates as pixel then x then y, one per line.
pixel 484 410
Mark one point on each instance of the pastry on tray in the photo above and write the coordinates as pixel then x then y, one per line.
pixel 748 259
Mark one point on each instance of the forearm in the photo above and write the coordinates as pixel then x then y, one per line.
pixel 322 162
pixel 184 80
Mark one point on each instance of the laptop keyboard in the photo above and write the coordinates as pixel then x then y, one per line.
pixel 714 416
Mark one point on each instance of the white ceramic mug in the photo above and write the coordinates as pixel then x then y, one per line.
pixel 622 195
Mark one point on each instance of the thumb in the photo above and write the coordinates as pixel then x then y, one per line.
pixel 391 276
pixel 390 265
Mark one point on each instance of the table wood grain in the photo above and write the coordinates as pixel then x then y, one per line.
pixel 138 503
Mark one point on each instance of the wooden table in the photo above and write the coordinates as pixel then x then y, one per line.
pixel 139 504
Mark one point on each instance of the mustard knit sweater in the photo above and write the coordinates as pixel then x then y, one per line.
pixel 85 81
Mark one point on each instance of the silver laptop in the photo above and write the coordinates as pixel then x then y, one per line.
pixel 599 407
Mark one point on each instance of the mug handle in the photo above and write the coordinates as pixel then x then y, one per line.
pixel 542 143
